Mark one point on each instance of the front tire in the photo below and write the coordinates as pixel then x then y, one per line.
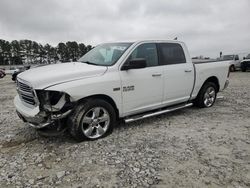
pixel 207 95
pixel 232 68
pixel 92 119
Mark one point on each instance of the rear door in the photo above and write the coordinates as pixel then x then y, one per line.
pixel 142 89
pixel 178 73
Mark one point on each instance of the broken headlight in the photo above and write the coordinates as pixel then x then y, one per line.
pixel 52 101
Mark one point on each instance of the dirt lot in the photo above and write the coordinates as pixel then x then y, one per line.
pixel 188 148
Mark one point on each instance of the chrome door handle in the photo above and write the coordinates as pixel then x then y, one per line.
pixel 156 75
pixel 188 70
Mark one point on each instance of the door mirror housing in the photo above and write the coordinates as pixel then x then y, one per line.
pixel 137 63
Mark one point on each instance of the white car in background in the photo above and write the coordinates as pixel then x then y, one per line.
pixel 11 70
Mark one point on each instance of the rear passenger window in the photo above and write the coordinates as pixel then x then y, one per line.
pixel 171 53
pixel 148 52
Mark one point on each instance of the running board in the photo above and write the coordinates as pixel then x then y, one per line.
pixel 166 110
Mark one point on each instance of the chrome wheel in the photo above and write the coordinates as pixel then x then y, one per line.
pixel 95 122
pixel 209 97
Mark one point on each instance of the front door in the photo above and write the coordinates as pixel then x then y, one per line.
pixel 142 89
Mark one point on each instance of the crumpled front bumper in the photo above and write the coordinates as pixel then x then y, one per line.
pixel 34 117
pixel 32 114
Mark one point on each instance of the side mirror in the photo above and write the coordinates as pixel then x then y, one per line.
pixel 236 58
pixel 244 57
pixel 137 63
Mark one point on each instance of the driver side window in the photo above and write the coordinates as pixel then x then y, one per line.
pixel 148 52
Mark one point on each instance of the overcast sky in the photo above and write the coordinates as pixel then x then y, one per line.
pixel 206 26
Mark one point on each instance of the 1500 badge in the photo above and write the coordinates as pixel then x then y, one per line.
pixel 128 88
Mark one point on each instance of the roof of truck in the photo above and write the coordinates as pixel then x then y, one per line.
pixel 147 40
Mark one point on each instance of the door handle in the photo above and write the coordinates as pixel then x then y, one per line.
pixel 188 70
pixel 156 75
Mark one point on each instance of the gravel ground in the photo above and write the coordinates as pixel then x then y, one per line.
pixel 188 148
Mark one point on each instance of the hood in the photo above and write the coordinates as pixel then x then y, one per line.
pixel 45 76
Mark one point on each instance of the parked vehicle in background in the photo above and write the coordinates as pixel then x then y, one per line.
pixel 131 81
pixel 2 73
pixel 22 69
pixel 27 67
pixel 234 61
pixel 245 63
pixel 11 70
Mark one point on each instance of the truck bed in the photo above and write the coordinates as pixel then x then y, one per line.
pixel 204 70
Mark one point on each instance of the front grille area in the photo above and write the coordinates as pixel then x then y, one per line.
pixel 25 92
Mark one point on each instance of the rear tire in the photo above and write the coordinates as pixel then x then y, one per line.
pixel 91 120
pixel 207 95
pixel 243 69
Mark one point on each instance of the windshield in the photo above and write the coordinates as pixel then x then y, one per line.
pixel 105 54
pixel 228 57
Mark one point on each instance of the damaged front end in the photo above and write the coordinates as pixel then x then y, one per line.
pixel 54 103
pixel 57 106
pixel 45 110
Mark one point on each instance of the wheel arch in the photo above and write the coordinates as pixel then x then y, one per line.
pixel 214 80
pixel 103 97
pixel 198 101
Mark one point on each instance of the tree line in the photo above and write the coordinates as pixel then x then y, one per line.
pixel 30 52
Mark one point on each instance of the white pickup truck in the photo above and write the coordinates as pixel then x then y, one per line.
pixel 234 61
pixel 113 81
